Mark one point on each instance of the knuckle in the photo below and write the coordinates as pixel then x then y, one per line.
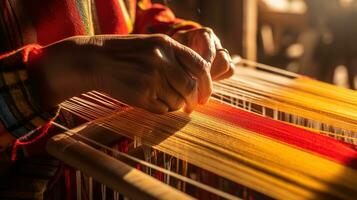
pixel 207 30
pixel 165 38
pixel 158 58
pixel 153 53
pixel 160 39
pixel 156 53
pixel 154 57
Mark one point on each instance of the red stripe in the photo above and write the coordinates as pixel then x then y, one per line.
pixel 54 20
pixel 312 142
pixel 37 143
pixel 68 184
pixel 110 17
pixel 10 25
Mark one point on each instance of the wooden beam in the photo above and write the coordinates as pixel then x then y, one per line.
pixel 110 171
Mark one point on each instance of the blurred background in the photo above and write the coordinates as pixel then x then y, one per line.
pixel 317 38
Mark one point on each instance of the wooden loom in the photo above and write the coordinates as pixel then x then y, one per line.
pixel 264 134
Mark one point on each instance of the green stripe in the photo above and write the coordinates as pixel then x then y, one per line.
pixel 83 11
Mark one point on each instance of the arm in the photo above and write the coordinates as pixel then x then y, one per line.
pixel 36 79
pixel 152 72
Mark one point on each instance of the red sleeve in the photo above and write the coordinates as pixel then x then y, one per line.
pixel 156 18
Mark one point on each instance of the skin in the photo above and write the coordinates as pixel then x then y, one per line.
pixel 154 72
pixel 206 43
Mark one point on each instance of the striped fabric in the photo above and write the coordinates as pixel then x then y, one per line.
pixel 26 25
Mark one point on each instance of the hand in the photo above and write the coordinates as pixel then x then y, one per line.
pixel 207 44
pixel 152 72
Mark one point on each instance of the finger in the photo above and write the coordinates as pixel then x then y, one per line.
pixel 227 74
pixel 217 41
pixel 182 82
pixel 199 40
pixel 220 65
pixel 191 101
pixel 170 97
pixel 205 45
pixel 227 58
pixel 157 106
pixel 196 66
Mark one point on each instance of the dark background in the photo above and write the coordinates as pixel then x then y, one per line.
pixel 317 38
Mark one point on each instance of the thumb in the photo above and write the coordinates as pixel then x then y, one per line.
pixel 196 66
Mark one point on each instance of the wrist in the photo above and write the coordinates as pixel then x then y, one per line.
pixel 39 82
pixel 54 75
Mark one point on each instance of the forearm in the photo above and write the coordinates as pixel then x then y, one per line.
pixel 55 75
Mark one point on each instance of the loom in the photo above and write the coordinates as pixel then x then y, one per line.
pixel 266 133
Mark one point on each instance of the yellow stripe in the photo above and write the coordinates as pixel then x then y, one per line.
pixel 320 102
pixel 266 165
pixel 326 90
pixel 129 22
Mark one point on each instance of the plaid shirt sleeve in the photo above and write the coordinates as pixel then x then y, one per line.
pixel 19 113
pixel 156 18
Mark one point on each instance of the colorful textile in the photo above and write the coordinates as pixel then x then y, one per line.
pixel 302 139
pixel 18 111
pixel 25 25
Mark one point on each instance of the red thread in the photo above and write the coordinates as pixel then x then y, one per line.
pixel 44 130
pixel 31 51
pixel 67 179
pixel 309 141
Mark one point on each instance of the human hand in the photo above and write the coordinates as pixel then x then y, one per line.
pixel 206 43
pixel 152 72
